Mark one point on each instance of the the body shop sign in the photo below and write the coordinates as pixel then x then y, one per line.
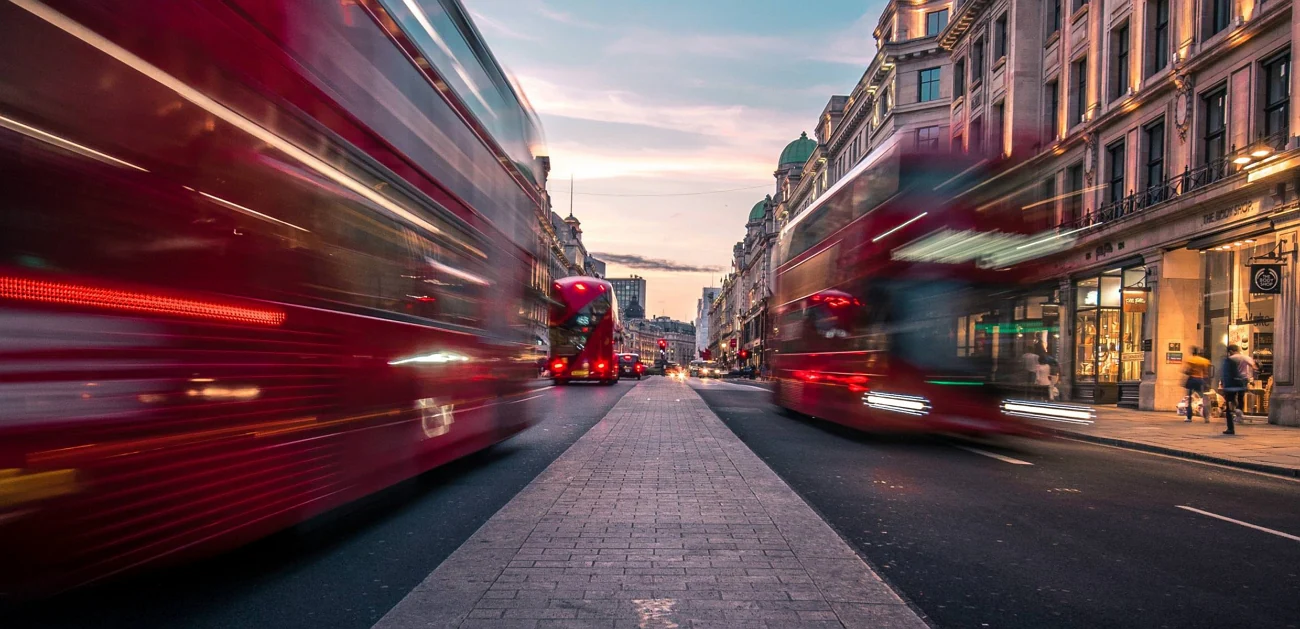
pixel 1266 279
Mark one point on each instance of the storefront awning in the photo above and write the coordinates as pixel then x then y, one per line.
pixel 1254 228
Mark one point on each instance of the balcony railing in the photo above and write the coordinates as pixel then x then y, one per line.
pixel 1188 181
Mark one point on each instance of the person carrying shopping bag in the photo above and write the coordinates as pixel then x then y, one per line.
pixel 1197 370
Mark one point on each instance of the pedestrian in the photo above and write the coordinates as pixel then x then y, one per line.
pixel 1232 379
pixel 1197 369
pixel 1030 361
pixel 1043 376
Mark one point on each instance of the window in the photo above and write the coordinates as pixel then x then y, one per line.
pixel 1079 96
pixel 935 21
pixel 1119 60
pixel 1216 16
pixel 957 142
pixel 1074 186
pixel 927 138
pixel 1000 37
pixel 1215 127
pixel 1044 212
pixel 1158 21
pixel 1053 100
pixel 1115 162
pixel 885 103
pixel 1277 94
pixel 977 136
pixel 928 88
pixel 1078 4
pixel 1053 16
pixel 1153 136
pixel 959 78
pixel 977 61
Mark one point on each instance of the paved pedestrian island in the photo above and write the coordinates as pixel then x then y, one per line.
pixel 659 517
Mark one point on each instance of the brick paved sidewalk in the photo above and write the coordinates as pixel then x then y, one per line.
pixel 1257 445
pixel 658 517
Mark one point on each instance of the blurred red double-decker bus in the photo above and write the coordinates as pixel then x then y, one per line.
pixel 257 259
pixel 879 283
pixel 585 331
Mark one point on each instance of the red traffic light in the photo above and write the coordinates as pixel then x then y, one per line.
pixel 663 344
pixel 744 353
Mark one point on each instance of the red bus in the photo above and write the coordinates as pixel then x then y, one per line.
pixel 257 259
pixel 878 284
pixel 585 331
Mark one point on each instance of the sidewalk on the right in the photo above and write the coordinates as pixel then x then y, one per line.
pixel 1258 445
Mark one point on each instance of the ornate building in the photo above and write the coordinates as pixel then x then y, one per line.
pixel 1158 135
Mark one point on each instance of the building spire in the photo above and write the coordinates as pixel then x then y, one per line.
pixel 570 195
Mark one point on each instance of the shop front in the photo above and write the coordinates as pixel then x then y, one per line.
pixel 1242 275
pixel 1012 326
pixel 1109 317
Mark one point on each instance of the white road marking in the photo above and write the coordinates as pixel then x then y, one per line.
pixel 1245 524
pixel 525 399
pixel 993 455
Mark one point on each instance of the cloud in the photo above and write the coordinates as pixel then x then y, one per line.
pixel 560 16
pixel 611 105
pixel 654 264
pixel 499 28
pixel 646 42
pixel 853 45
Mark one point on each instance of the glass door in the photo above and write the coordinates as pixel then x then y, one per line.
pixel 1108 345
pixel 1085 343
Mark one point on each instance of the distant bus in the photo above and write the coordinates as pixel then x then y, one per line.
pixel 584 331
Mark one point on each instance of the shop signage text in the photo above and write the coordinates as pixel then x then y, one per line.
pixel 1223 214
pixel 1175 347
pixel 1266 279
pixel 1135 300
pixel 1174 358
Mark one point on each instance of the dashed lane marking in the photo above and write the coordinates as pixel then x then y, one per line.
pixel 994 455
pixel 1239 522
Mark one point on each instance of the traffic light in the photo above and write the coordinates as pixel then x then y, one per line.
pixel 663 344
pixel 744 354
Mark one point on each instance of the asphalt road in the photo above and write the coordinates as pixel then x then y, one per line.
pixel 347 568
pixel 1085 536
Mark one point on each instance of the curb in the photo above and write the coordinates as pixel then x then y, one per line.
pixel 1182 454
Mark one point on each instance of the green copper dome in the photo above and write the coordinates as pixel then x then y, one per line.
pixel 759 210
pixel 799 151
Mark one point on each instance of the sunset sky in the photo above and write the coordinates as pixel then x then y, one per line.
pixel 674 97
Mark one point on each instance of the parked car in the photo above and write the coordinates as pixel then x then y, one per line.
pixel 630 366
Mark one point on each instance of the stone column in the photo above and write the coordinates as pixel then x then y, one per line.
pixel 1180 297
pixel 1151 330
pixel 1284 403
pixel 1065 344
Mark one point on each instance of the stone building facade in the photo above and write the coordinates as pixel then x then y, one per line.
pixel 1159 135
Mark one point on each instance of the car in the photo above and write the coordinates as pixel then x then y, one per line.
pixel 630 366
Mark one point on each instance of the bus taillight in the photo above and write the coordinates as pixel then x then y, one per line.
pixel 600 366
pixel 557 366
